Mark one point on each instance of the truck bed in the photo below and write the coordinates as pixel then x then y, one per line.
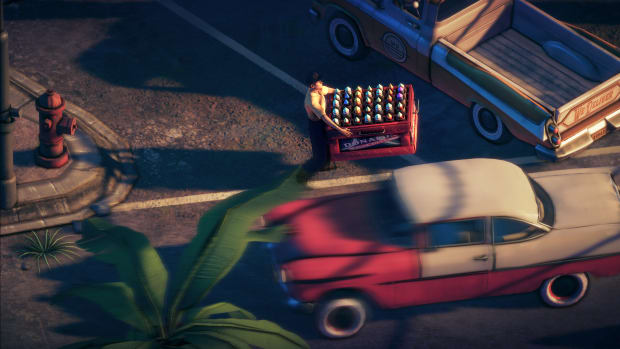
pixel 525 63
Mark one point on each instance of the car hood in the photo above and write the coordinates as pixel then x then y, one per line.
pixel 581 197
pixel 351 224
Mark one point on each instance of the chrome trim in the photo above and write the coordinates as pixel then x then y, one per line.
pixel 439 54
pixel 569 146
pixel 314 15
pixel 614 119
pixel 580 140
pixel 298 305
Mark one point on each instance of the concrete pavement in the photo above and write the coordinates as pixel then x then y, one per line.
pixel 100 174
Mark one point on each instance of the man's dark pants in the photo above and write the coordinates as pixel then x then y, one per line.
pixel 318 139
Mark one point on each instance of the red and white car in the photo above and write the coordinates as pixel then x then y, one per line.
pixel 449 231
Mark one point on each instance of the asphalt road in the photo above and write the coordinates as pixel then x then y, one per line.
pixel 201 118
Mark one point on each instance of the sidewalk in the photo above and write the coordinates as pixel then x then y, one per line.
pixel 99 175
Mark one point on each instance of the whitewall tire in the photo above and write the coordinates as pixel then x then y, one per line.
pixel 345 37
pixel 341 317
pixel 488 125
pixel 564 290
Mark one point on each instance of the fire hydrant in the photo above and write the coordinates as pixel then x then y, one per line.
pixel 52 152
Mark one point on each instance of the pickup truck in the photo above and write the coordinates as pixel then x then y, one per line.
pixel 521 72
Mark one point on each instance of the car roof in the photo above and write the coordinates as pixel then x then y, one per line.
pixel 462 189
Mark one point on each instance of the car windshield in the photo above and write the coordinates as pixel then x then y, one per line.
pixel 451 7
pixel 546 213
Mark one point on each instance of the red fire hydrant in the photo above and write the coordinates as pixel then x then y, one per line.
pixel 52 152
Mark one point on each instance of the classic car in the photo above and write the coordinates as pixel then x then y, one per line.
pixel 448 231
pixel 520 71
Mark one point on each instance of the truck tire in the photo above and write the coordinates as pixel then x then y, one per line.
pixel 564 290
pixel 489 126
pixel 341 316
pixel 345 37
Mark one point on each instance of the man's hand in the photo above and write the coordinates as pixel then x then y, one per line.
pixel 345 132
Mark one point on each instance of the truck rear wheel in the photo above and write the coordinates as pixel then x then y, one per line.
pixel 489 126
pixel 345 37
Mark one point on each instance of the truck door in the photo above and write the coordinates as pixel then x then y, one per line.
pixel 401 44
pixel 390 30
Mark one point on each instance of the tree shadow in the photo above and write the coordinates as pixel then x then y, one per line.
pixel 591 12
pixel 602 337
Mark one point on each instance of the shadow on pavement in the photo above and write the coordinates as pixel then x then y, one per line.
pixel 603 337
pixel 592 11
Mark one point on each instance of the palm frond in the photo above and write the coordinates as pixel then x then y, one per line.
pixel 261 333
pixel 96 343
pixel 115 298
pixel 132 345
pixel 212 339
pixel 208 311
pixel 223 237
pixel 137 262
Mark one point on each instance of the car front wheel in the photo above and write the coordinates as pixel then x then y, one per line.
pixel 564 290
pixel 489 126
pixel 341 317
pixel 345 38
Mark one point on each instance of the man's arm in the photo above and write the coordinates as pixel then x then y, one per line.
pixel 321 113
pixel 327 89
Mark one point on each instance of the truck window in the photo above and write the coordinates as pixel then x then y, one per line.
pixel 407 6
pixel 465 232
pixel 451 7
pixel 510 230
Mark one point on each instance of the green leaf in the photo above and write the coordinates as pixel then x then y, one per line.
pixel 132 345
pixel 223 237
pixel 115 298
pixel 137 262
pixel 91 343
pixel 216 309
pixel 261 333
pixel 204 339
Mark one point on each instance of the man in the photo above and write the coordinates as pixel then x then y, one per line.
pixel 317 118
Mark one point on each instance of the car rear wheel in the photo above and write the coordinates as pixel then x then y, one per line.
pixel 341 317
pixel 345 38
pixel 489 126
pixel 564 290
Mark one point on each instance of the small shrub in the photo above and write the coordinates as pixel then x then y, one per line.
pixel 51 246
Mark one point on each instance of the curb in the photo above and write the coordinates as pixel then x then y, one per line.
pixel 83 180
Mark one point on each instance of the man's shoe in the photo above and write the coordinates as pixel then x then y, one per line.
pixel 330 166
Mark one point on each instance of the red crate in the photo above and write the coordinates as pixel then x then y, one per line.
pixel 377 139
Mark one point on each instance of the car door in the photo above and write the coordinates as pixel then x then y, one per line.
pixel 517 245
pixel 456 261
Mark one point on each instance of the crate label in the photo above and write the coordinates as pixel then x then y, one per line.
pixel 359 143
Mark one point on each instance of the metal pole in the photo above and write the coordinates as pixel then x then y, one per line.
pixel 8 183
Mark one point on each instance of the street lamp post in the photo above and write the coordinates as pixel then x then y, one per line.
pixel 8 182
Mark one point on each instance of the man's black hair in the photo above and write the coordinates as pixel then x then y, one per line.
pixel 312 78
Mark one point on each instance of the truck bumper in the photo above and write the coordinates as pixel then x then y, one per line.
pixel 582 139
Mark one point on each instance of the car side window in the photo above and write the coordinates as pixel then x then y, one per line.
pixel 466 232
pixel 511 230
